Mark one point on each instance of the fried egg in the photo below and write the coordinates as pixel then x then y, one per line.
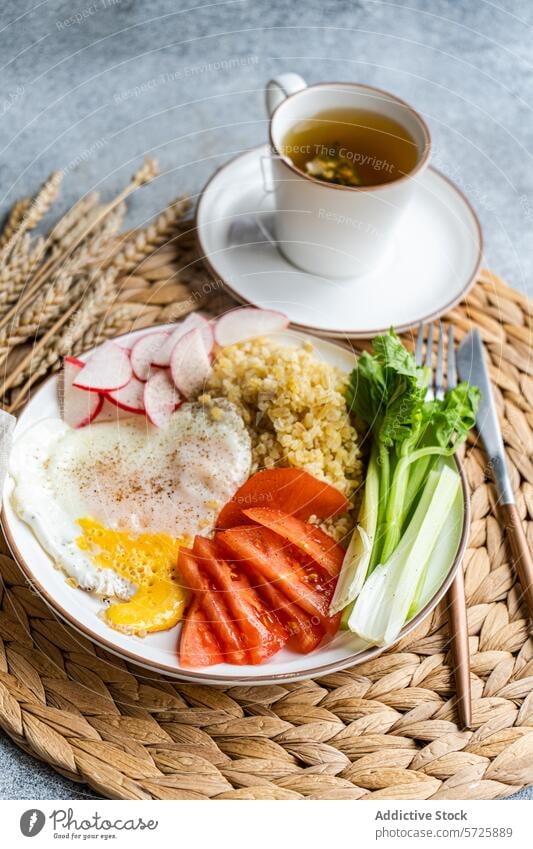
pixel 112 502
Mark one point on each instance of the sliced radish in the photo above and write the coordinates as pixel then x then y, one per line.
pixel 192 322
pixel 161 398
pixel 108 368
pixel 190 365
pixel 246 322
pixel 73 361
pixel 80 408
pixel 110 412
pixel 143 353
pixel 130 397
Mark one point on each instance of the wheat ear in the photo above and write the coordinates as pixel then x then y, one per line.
pixel 13 220
pixel 60 293
pixel 146 173
pixel 42 201
pixel 71 218
pixel 146 241
pixel 37 317
pixel 80 316
pixel 13 277
pixel 115 322
pixel 35 212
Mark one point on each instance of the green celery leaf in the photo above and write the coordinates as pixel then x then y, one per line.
pixel 456 414
pixel 387 390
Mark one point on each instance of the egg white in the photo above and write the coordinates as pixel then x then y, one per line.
pixel 34 499
pixel 127 475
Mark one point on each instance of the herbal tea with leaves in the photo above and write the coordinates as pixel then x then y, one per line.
pixel 351 147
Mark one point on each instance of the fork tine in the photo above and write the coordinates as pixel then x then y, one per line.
pixel 419 344
pixel 452 370
pixel 429 362
pixel 439 374
pixel 429 346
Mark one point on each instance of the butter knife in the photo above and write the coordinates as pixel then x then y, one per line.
pixel 471 365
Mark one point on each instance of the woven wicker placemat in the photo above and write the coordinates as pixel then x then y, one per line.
pixel 383 730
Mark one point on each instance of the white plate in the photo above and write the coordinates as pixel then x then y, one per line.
pixel 158 652
pixel 433 261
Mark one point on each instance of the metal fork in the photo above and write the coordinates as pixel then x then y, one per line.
pixel 442 379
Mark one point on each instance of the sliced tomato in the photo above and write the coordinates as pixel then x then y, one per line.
pixel 332 623
pixel 292 490
pixel 305 632
pixel 268 555
pixel 312 541
pixel 198 645
pixel 213 608
pixel 262 633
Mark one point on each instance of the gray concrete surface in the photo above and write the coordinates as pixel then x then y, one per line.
pixel 93 85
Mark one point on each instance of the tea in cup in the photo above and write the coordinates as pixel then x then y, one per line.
pixel 344 161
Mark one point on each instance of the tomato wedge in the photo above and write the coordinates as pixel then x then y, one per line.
pixel 305 632
pixel 292 490
pixel 268 555
pixel 262 633
pixel 198 645
pixel 312 541
pixel 213 607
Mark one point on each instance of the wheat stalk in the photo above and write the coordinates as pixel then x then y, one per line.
pixel 69 298
pixel 146 241
pixel 42 201
pixel 13 220
pixel 37 317
pixel 13 277
pixel 88 251
pixel 115 322
pixel 94 305
pixel 70 220
pixel 87 224
pixel 39 346
pixel 146 173
pixel 9 268
pixel 61 293
pixel 34 213
pixel 81 315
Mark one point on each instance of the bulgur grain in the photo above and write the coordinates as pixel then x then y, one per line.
pixel 294 406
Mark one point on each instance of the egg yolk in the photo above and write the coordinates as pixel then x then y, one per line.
pixel 146 560
pixel 156 607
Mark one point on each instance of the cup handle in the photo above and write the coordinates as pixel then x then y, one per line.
pixel 280 87
pixel 266 161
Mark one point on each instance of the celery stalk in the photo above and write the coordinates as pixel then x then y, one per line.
pixel 357 558
pixel 382 607
pixel 439 564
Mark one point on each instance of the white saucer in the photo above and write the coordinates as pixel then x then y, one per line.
pixel 431 265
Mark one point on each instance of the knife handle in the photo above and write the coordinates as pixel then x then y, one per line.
pixel 522 560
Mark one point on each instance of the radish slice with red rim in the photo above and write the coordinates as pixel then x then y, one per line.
pixel 192 322
pixel 190 365
pixel 129 397
pixel 110 412
pixel 108 368
pixel 161 398
pixel 244 323
pixel 80 408
pixel 143 352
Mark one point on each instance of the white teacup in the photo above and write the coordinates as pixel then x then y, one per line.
pixel 324 228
